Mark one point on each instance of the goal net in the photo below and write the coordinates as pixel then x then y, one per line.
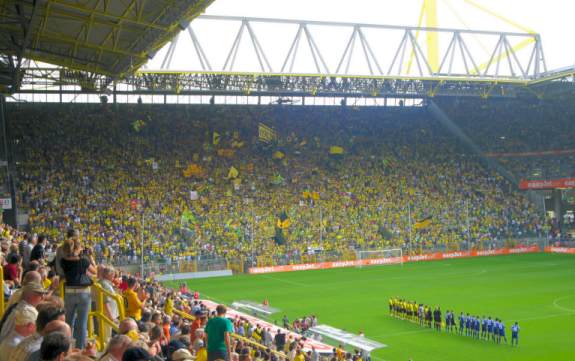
pixel 380 257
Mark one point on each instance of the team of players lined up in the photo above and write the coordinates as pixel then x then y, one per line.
pixel 480 328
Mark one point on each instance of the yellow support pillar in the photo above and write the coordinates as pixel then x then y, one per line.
pixel 430 7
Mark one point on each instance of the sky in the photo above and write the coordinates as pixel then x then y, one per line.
pixel 551 19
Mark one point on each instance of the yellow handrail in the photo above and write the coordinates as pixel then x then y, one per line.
pixel 253 343
pixel 2 287
pixel 100 338
pixel 280 355
pixel 115 296
pixel 104 321
pixel 100 314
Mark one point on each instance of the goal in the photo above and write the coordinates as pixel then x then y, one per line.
pixel 379 257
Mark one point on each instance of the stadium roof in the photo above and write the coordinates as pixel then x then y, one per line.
pixel 110 37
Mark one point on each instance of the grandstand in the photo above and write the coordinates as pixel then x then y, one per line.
pixel 138 197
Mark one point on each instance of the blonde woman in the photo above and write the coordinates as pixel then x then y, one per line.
pixel 77 267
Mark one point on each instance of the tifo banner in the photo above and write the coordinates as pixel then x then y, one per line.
pixel 392 260
pixel 532 154
pixel 547 184
pixel 560 250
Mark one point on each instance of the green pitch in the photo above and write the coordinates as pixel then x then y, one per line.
pixel 537 290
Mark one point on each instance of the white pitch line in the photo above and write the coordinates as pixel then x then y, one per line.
pixel 402 333
pixel 545 317
pixel 299 284
pixel 558 306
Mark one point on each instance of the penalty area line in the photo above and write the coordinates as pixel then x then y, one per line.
pixel 299 284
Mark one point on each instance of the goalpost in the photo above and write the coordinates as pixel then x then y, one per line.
pixel 380 257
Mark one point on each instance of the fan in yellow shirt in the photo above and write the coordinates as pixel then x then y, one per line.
pixel 299 355
pixel 134 305
pixel 169 305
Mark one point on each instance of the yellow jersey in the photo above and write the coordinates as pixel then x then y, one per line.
pixel 133 304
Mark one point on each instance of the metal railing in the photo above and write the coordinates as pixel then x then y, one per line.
pixel 2 304
pixel 98 321
pixel 245 340
pixel 242 264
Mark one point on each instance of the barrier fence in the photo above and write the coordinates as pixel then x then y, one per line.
pixel 394 260
pixel 247 264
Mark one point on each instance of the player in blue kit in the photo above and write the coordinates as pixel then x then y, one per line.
pixel 467 324
pixel 483 327
pixel 502 331
pixel 515 334
pixel 489 328
pixel 496 331
pixel 461 323
pixel 477 327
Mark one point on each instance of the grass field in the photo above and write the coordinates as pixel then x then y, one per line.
pixel 537 290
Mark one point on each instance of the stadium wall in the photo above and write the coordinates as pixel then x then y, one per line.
pixel 559 250
pixel 192 275
pixel 395 260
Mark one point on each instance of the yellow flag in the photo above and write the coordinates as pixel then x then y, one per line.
pixel 424 223
pixel 278 155
pixel 335 150
pixel 216 138
pixel 233 173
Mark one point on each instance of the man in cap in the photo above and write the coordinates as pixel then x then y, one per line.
pixel 32 295
pixel 182 355
pixel 24 326
pixel 29 348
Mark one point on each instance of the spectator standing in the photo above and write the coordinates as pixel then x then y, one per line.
pixel 110 305
pixel 25 248
pixel 38 253
pixel 280 340
pixel 77 267
pixel 218 331
pixel 71 235
pixel 134 305
pixel 13 269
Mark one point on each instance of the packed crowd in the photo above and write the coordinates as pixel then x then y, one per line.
pixel 118 174
pixel 480 328
pixel 541 167
pixel 519 126
pixel 40 323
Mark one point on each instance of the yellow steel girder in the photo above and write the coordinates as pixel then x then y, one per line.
pixel 429 12
pixel 432 36
pixel 500 17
